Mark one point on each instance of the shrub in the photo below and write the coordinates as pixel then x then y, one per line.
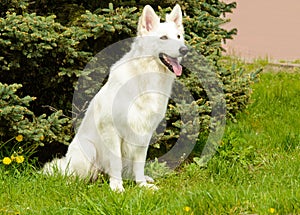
pixel 19 127
pixel 43 55
pixel 46 53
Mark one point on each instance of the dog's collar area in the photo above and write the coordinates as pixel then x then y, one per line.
pixel 171 63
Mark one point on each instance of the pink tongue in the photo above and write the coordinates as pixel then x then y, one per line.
pixel 177 68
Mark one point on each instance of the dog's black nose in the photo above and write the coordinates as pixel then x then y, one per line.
pixel 183 50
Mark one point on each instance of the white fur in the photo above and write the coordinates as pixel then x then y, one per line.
pixel 120 120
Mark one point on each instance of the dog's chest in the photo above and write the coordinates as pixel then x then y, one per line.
pixel 142 102
pixel 146 111
pixel 139 93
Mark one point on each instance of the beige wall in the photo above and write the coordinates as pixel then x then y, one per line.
pixel 266 28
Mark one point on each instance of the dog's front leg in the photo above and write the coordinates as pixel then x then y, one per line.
pixel 139 168
pixel 115 180
pixel 115 172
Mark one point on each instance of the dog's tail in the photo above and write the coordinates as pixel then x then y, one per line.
pixel 60 166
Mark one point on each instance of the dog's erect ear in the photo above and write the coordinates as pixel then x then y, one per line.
pixel 148 21
pixel 176 17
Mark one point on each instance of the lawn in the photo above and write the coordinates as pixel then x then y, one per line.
pixel 255 171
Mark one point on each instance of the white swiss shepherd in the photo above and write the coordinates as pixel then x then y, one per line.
pixel 120 120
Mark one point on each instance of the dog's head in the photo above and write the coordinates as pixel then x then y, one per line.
pixel 167 41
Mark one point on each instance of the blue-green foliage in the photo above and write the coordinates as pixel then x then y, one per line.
pixel 46 50
pixel 19 127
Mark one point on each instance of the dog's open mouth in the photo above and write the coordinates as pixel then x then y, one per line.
pixel 172 63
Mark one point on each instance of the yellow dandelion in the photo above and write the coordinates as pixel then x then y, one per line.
pixel 12 157
pixel 19 138
pixel 6 161
pixel 20 159
pixel 272 210
pixel 187 209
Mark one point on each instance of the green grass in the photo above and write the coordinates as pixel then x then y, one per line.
pixel 256 170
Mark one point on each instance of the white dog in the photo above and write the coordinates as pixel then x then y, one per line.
pixel 120 120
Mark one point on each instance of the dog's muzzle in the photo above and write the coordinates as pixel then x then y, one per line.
pixel 173 63
pixel 183 50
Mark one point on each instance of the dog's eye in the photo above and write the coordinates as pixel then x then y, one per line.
pixel 178 36
pixel 165 37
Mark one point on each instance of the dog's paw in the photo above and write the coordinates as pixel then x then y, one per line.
pixel 149 179
pixel 116 185
pixel 148 186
